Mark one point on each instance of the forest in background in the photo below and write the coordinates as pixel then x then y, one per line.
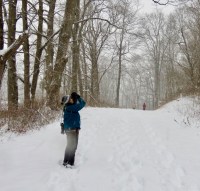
pixel 108 51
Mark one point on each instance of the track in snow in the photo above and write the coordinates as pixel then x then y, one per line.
pixel 119 150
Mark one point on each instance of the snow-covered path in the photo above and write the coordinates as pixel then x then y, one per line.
pixel 119 150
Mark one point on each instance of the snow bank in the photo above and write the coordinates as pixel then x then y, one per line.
pixel 119 150
pixel 186 111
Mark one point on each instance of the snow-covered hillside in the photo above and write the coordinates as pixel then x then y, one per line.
pixel 119 150
pixel 186 111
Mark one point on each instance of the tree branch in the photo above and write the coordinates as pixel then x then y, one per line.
pixel 158 2
pixel 13 48
pixel 50 38
pixel 170 2
pixel 96 18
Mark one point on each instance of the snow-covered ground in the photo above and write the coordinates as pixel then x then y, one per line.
pixel 119 150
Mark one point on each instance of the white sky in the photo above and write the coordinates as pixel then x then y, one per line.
pixel 149 6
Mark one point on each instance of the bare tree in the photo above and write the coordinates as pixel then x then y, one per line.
pixel 61 57
pixel 126 18
pixel 2 64
pixel 156 45
pixel 12 72
pixel 38 52
pixel 96 36
pixel 26 56
pixel 171 82
pixel 50 46
pixel 189 45
pixel 76 48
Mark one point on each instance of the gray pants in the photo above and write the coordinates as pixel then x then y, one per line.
pixel 72 143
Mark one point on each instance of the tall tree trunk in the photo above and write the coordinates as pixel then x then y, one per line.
pixel 95 79
pixel 11 50
pixel 38 52
pixel 157 85
pixel 26 57
pixel 12 72
pixel 119 80
pixel 75 66
pixel 75 48
pixel 94 73
pixel 85 73
pixel 80 80
pixel 119 69
pixel 2 64
pixel 61 58
pixel 50 46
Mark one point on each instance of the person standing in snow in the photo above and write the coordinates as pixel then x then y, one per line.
pixel 144 106
pixel 72 126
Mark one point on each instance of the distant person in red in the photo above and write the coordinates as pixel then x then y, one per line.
pixel 144 106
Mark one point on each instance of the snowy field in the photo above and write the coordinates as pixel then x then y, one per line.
pixel 119 150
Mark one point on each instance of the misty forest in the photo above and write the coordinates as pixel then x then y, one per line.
pixel 112 52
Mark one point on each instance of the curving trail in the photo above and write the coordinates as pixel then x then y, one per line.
pixel 119 150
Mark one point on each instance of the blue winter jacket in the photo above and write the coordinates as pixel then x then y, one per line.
pixel 72 116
